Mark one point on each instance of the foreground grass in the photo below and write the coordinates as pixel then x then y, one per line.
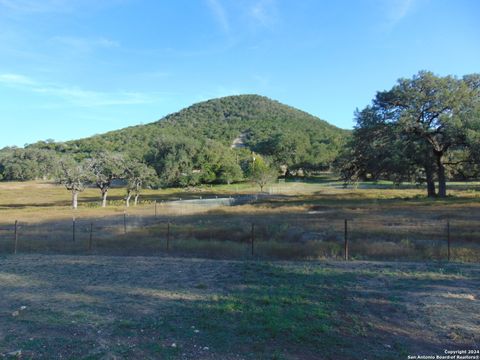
pixel 149 308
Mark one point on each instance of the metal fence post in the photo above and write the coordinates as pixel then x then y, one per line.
pixel 253 238
pixel 124 221
pixel 168 235
pixel 15 246
pixel 90 240
pixel 73 229
pixel 448 239
pixel 346 240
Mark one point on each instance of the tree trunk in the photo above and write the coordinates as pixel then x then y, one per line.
pixel 104 197
pixel 136 199
pixel 127 200
pixel 430 181
pixel 287 172
pixel 442 182
pixel 74 199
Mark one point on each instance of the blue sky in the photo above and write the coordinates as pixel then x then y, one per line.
pixel 74 68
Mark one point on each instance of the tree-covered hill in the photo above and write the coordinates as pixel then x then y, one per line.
pixel 200 137
pixel 222 120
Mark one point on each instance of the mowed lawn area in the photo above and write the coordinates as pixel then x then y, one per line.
pixel 94 307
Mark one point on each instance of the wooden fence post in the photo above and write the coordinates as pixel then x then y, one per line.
pixel 155 208
pixel 346 240
pixel 15 246
pixel 448 239
pixel 253 238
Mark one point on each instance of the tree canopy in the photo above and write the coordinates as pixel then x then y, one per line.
pixel 73 175
pixel 260 172
pixel 103 169
pixel 425 126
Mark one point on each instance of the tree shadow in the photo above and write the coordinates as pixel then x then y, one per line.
pixel 257 309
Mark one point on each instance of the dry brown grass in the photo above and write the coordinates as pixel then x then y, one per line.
pixel 299 220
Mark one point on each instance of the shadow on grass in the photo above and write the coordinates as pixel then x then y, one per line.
pixel 220 309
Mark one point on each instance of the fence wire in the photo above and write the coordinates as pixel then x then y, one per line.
pixel 182 230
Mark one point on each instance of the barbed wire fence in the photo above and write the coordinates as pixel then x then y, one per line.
pixel 187 227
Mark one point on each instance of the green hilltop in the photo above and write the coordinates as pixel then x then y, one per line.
pixel 261 119
pixel 231 127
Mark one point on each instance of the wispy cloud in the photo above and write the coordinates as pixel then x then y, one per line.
pixel 256 14
pixel 39 7
pixel 16 80
pixel 220 14
pixel 77 96
pixel 80 44
pixel 264 12
pixel 35 6
pixel 397 10
pixel 88 98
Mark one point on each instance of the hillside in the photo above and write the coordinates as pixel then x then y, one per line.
pixel 222 120
pixel 206 130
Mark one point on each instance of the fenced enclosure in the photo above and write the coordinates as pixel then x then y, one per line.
pixel 214 228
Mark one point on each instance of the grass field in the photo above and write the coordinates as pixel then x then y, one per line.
pixel 296 220
pixel 208 297
pixel 93 307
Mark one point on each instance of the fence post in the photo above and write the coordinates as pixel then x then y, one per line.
pixel 73 228
pixel 168 235
pixel 253 237
pixel 124 221
pixel 155 208
pixel 16 238
pixel 448 239
pixel 90 240
pixel 346 240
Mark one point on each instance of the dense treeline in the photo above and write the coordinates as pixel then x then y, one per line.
pixel 27 164
pixel 194 145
